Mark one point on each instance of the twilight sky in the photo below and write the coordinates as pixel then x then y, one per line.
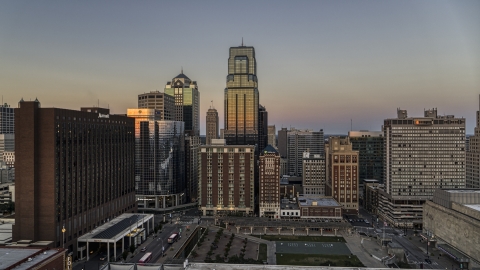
pixel 320 63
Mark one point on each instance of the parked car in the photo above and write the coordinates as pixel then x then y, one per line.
pixel 144 249
pixel 103 257
pixel 428 261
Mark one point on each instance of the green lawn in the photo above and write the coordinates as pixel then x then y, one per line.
pixel 301 238
pixel 262 252
pixel 319 260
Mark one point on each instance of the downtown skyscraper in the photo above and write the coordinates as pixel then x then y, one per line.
pixel 212 125
pixel 241 98
pixel 187 109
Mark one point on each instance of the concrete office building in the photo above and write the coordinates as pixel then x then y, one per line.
pixel 241 98
pixel 212 125
pixel 473 158
pixel 163 103
pixel 159 160
pixel 7 144
pixel 269 191
pixel 342 175
pixel 369 145
pixel 226 178
pixel 421 154
pixel 272 136
pixel 283 142
pixel 187 109
pixel 451 222
pixel 7 122
pixel 313 174
pixel 299 141
pixel 74 170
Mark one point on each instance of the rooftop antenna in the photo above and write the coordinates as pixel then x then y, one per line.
pixel 182 69
pixel 351 124
pixel 211 107
pixel 242 41
pixel 98 103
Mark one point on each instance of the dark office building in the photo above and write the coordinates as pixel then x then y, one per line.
pixel 6 119
pixel 283 142
pixel 262 127
pixel 74 170
pixel 369 144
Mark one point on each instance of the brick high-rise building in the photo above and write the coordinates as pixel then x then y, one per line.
pixel 342 175
pixel 75 169
pixel 226 178
pixel 212 125
pixel 269 193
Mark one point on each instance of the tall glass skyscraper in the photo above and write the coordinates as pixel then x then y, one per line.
pixel 187 109
pixel 187 102
pixel 241 98
pixel 159 160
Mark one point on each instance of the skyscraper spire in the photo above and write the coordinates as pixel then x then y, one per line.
pixel 181 70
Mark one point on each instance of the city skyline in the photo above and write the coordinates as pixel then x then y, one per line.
pixel 380 55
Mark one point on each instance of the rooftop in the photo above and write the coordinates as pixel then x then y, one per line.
pixel 475 207
pixel 317 201
pixel 11 256
pixel 462 190
pixel 118 227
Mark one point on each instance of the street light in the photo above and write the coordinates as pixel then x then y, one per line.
pixel 63 235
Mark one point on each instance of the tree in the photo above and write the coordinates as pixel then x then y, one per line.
pixel 132 248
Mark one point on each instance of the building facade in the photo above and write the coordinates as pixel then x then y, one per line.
pixel 187 109
pixel 473 158
pixel 7 121
pixel 299 141
pixel 241 98
pixel 342 181
pixel 7 144
pixel 163 103
pixel 74 170
pixel 226 185
pixel 212 125
pixel 369 145
pixel 421 154
pixel 313 174
pixel 269 193
pixel 272 136
pixel 159 160
pixel 262 127
pixel 451 221
pixel 318 207
pixel 283 142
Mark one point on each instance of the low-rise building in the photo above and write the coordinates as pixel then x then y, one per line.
pixel 316 207
pixel 289 210
pixel 370 195
pixel 20 257
pixel 451 221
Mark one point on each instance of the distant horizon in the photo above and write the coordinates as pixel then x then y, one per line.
pixel 321 64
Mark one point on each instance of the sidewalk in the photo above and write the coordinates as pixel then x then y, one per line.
pixel 365 248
